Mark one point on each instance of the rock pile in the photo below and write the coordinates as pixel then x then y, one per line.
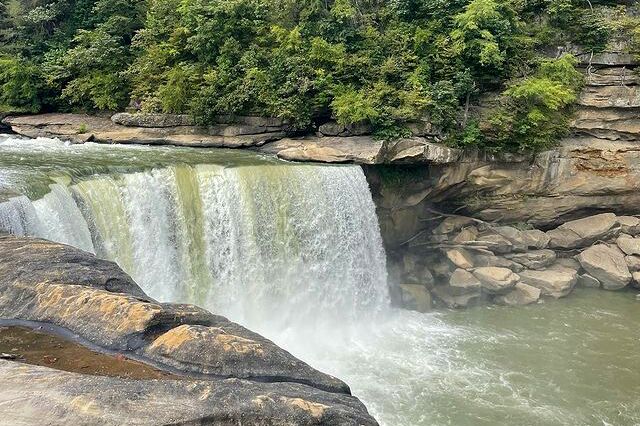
pixel 464 261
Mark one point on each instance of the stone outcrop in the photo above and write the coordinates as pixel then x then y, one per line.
pixel 39 395
pixel 92 299
pixel 470 262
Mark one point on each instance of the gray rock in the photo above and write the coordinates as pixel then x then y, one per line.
pixel 538 259
pixel 463 282
pixel 152 120
pixel 332 128
pixel 460 258
pixel 454 301
pixel 633 262
pixel 497 261
pixel 555 283
pixel 415 297
pixel 467 234
pixel 583 232
pixel 515 236
pixel 566 263
pixel 496 242
pixel 535 239
pixel 522 294
pixel 496 280
pixel 418 150
pixel 587 281
pixel 607 265
pixel 628 244
pixel 630 225
pixel 33 395
pixel 453 224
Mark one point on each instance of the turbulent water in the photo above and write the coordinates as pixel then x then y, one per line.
pixel 294 252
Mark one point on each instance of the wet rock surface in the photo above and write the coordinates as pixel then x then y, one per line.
pixel 43 282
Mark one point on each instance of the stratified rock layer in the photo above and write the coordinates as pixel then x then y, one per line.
pixel 93 299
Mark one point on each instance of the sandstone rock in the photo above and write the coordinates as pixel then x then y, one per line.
pixel 535 239
pixel 152 120
pixel 357 149
pixel 453 224
pixel 633 262
pixel 496 261
pixel 420 150
pixel 612 76
pixel 554 283
pixel 67 288
pixel 463 282
pixel 496 242
pixel 454 301
pixel 467 234
pixel 606 265
pixel 610 97
pixel 586 280
pixel 496 280
pixel 538 259
pixel 415 297
pixel 583 232
pixel 630 225
pixel 628 244
pixel 522 294
pixel 607 123
pixel 38 395
pixel 460 258
pixel 566 263
pixel 515 236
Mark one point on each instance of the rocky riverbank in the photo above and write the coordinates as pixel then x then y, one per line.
pixel 228 374
pixel 461 261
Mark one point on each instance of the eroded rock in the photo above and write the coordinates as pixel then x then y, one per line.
pixel 496 280
pixel 607 265
pixel 555 283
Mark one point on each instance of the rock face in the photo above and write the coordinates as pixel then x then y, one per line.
pixel 34 395
pixel 607 265
pixel 44 282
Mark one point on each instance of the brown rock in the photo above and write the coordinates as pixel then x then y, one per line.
pixel 460 258
pixel 607 265
pixel 463 282
pixel 522 294
pixel 496 280
pixel 554 283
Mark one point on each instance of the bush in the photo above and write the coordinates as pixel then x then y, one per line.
pixel 22 87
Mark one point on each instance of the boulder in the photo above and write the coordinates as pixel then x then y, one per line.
pixel 515 237
pixel 630 225
pixel 538 259
pixel 418 150
pixel 356 149
pixel 587 281
pixel 607 265
pixel 72 290
pixel 566 263
pixel 554 283
pixel 454 301
pixel 628 244
pixel 33 395
pixel 463 282
pixel 453 224
pixel 415 297
pixel 466 235
pixel 496 242
pixel 636 280
pixel 460 258
pixel 522 294
pixel 535 239
pixel 633 262
pixel 583 232
pixel 497 261
pixel 496 280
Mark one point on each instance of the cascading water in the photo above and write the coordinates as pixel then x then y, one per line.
pixel 294 252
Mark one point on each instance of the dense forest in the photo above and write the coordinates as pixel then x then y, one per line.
pixel 384 63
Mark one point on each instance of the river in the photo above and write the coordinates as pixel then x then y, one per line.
pixel 294 252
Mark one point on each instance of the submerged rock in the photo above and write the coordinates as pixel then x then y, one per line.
pixel 415 297
pixel 453 300
pixel 607 265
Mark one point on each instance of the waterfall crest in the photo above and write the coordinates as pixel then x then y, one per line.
pixel 276 243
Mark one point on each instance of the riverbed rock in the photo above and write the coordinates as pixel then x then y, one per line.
pixel 484 260
pixel 535 239
pixel 607 265
pixel 522 294
pixel 537 259
pixel 463 282
pixel 45 282
pixel 415 297
pixel 496 280
pixel 460 258
pixel 633 262
pixel 628 244
pixel 447 296
pixel 635 283
pixel 554 283
pixel 33 395
pixel 630 225
pixel 584 232
pixel 587 281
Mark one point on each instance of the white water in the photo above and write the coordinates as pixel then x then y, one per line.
pixel 294 252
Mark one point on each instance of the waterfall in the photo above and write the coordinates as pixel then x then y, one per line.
pixel 262 244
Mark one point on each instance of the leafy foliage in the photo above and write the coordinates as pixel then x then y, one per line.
pixel 384 63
